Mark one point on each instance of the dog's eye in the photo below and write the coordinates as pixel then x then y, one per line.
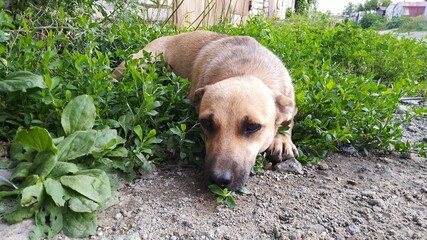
pixel 207 124
pixel 251 128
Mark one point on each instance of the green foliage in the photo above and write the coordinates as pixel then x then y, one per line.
pixel 414 24
pixel 397 22
pixel 223 195
pixel 371 20
pixel 54 184
pixel 302 7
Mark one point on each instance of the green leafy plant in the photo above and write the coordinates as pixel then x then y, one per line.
pixel 223 195
pixel 227 196
pixel 54 181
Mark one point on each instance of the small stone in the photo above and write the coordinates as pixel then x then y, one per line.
pixel 286 217
pixel 351 182
pixel 378 202
pixel 289 166
pixel 401 109
pixel 385 160
pixel 187 224
pixel 317 228
pixel 118 216
pixel 407 155
pixel 353 229
pixel 322 166
pixel 349 149
pixel 369 194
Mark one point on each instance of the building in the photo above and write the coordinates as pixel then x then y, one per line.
pixel 380 11
pixel 409 9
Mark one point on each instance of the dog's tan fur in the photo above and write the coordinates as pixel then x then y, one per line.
pixel 236 85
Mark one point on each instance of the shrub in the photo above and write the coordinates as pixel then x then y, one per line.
pixel 397 22
pixel 415 24
pixel 371 20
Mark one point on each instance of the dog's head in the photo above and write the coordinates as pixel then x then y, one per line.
pixel 239 118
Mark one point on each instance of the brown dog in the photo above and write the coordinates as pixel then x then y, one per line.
pixel 242 93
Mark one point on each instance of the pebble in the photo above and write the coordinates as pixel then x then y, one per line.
pixel 351 182
pixel 378 202
pixel 322 166
pixel 369 194
pixel 317 228
pixel 286 217
pixel 350 150
pixel 289 166
pixel 353 229
pixel 118 216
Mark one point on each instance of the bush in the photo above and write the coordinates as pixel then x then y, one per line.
pixel 397 22
pixel 371 20
pixel 415 24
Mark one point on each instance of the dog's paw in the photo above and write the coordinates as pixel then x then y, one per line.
pixel 282 148
pixel 291 165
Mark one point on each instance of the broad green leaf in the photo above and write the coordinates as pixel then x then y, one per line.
pixel 4 194
pixel 45 162
pixel 22 170
pixel 79 225
pixel 93 184
pixel 105 138
pixel 118 152
pixel 48 222
pixel 63 168
pixel 21 81
pixel 230 202
pixel 138 130
pixel 76 145
pixel 32 194
pixel 37 139
pixel 56 191
pixel 82 204
pixel 20 214
pixel 216 189
pixel 126 122
pixel 79 114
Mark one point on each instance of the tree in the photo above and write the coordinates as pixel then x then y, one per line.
pixel 303 6
pixel 385 3
pixel 349 8
pixel 371 5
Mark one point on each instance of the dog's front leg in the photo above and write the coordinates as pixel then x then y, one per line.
pixel 284 151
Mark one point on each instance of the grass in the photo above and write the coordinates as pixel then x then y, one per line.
pixel 348 84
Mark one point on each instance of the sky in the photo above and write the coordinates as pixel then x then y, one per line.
pixel 337 6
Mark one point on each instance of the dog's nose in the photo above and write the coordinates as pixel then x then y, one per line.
pixel 222 179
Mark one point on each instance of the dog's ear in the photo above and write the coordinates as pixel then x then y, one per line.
pixel 197 98
pixel 286 110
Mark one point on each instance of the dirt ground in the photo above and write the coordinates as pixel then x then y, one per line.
pixel 342 198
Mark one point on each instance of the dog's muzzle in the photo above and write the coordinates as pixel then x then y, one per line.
pixel 226 174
